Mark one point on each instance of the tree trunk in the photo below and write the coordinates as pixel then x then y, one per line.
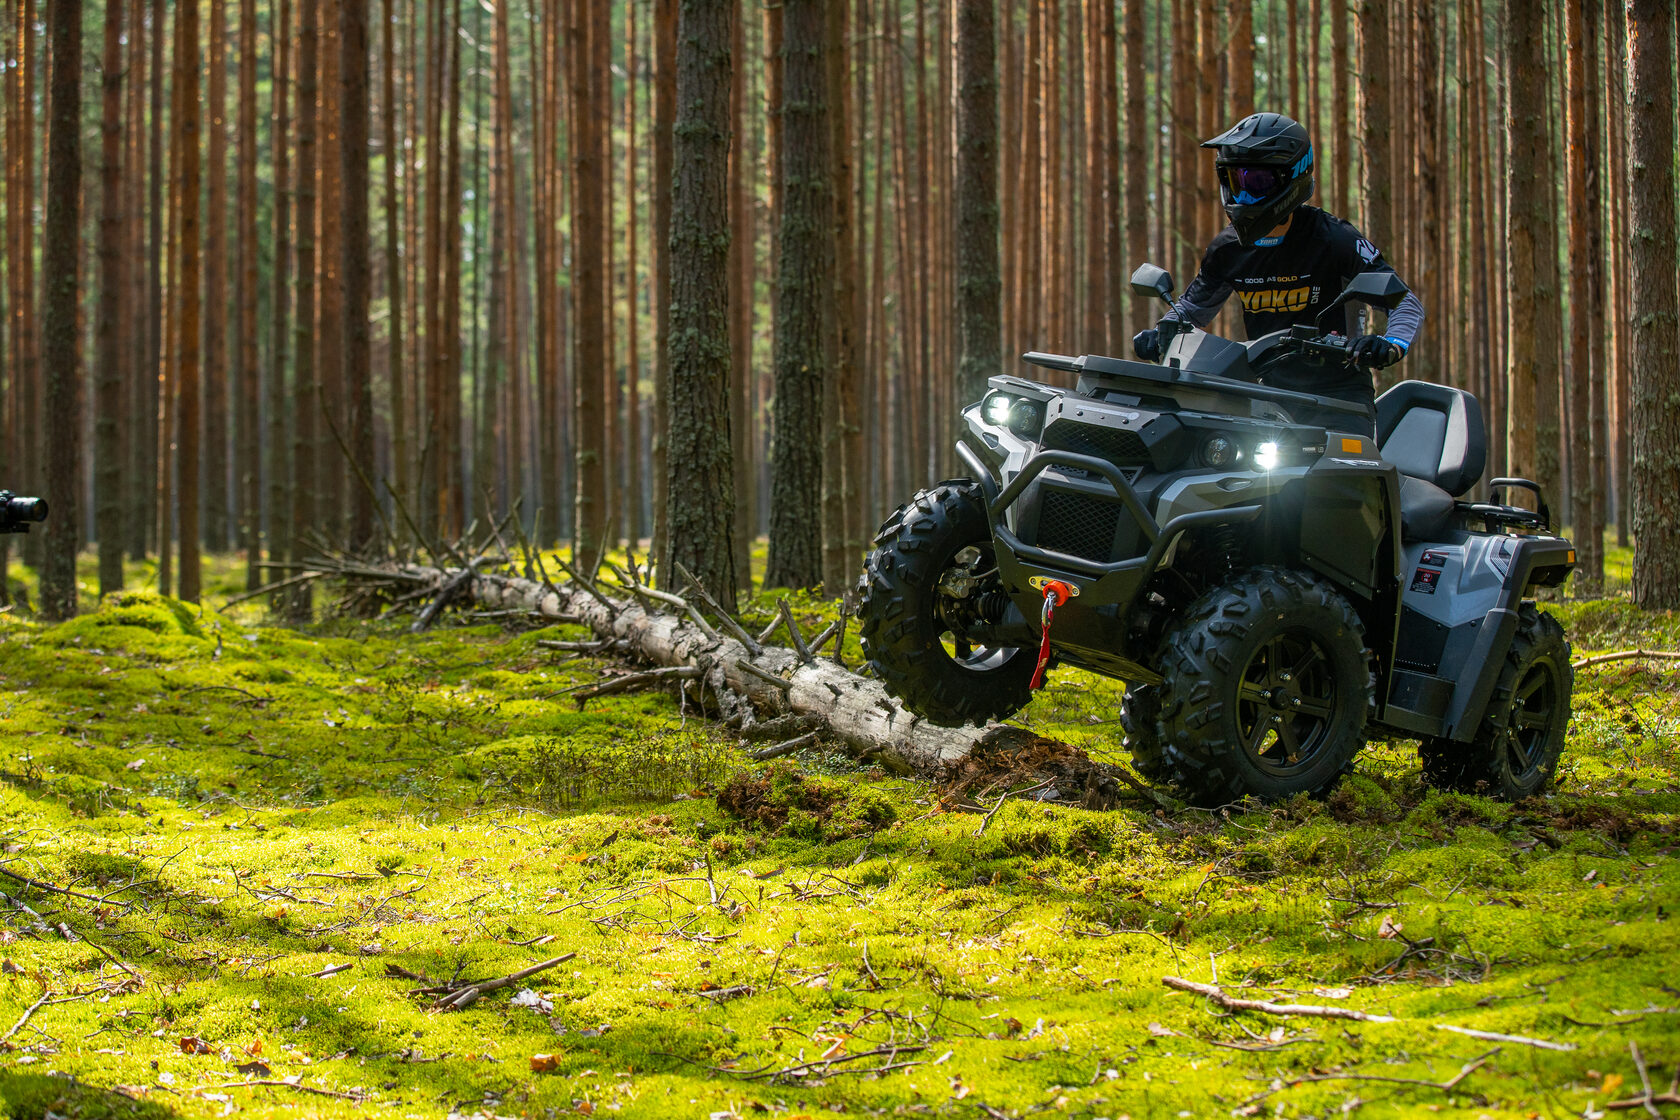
pixel 1656 332
pixel 248 439
pixel 214 430
pixel 1242 56
pixel 61 363
pixel 279 483
pixel 803 289
pixel 107 450
pixel 1583 252
pixel 1137 210
pixel 397 371
pixel 664 116
pixel 1533 327
pixel 842 456
pixel 305 398
pixel 356 247
pixel 701 504
pixel 1375 123
pixel 188 294
pixel 1622 307
pixel 589 250
pixel 741 299
pixel 1340 96
pixel 979 285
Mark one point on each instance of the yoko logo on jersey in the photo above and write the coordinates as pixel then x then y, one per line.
pixel 1276 299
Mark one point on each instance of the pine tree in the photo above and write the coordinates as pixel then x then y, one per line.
pixel 701 505
pixel 804 281
pixel 1656 331
pixel 59 359
pixel 979 284
pixel 108 408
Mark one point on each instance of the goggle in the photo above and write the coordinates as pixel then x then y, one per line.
pixel 1250 184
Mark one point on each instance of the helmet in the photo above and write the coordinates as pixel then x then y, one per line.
pixel 1265 168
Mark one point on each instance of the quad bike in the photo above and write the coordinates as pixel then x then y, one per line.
pixel 1271 592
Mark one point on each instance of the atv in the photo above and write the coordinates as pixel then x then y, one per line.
pixel 1270 591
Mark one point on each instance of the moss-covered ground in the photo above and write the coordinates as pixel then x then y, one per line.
pixel 274 836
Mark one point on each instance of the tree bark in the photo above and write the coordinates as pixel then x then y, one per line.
pixel 1656 331
pixel 214 377
pixel 979 284
pixel 1533 328
pixel 664 116
pixel 589 251
pixel 804 287
pixel 356 248
pixel 279 483
pixel 305 397
pixel 107 450
pixel 701 503
pixel 187 125
pixel 248 438
pixel 1583 253
pixel 60 360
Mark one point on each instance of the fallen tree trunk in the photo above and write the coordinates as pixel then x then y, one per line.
pixel 749 682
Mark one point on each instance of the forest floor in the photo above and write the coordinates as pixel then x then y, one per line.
pixel 245 846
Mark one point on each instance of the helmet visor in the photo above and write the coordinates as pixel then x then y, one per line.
pixel 1248 185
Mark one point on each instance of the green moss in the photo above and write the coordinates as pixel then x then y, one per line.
pixel 436 804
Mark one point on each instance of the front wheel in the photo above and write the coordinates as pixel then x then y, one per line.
pixel 1520 737
pixel 933 563
pixel 1267 689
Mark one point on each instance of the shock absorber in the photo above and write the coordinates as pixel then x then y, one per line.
pixel 1227 544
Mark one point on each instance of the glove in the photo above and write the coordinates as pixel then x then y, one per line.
pixel 1376 351
pixel 1147 345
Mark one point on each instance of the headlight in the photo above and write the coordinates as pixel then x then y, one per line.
pixel 1219 451
pixel 1265 456
pixel 995 409
pixel 1026 419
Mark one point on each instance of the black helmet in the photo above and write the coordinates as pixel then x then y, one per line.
pixel 1265 168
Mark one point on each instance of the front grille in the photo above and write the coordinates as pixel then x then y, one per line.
pixel 1117 445
pixel 1078 525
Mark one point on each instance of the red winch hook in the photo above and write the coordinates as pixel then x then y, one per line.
pixel 1055 594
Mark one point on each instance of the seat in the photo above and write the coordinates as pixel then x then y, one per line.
pixel 1434 435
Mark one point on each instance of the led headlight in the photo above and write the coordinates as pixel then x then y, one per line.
pixel 1266 456
pixel 995 408
pixel 1026 419
pixel 1219 451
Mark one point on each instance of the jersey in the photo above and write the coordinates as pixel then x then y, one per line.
pixel 1289 282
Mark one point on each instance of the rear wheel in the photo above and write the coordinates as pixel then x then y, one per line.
pixel 932 566
pixel 1267 689
pixel 1520 738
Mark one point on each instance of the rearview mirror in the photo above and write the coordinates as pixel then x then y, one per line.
pixel 1379 289
pixel 1152 281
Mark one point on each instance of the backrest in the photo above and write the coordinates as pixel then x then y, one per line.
pixel 1434 433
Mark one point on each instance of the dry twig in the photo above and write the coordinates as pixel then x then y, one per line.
pixel 1267 1007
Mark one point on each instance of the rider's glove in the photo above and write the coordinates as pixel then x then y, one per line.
pixel 1375 351
pixel 1147 345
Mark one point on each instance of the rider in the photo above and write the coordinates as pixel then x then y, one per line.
pixel 1286 260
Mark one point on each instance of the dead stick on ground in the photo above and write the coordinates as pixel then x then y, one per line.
pixel 330 970
pixel 1006 796
pixel 1644 1079
pixel 281 1085
pixel 1495 1036
pixel 1446 1086
pixel 840 636
pixel 587 585
pixel 1267 1007
pixel 269 588
pixel 467 996
pixel 788 747
pixel 1625 655
pixel 58 890
pixel 34 1007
